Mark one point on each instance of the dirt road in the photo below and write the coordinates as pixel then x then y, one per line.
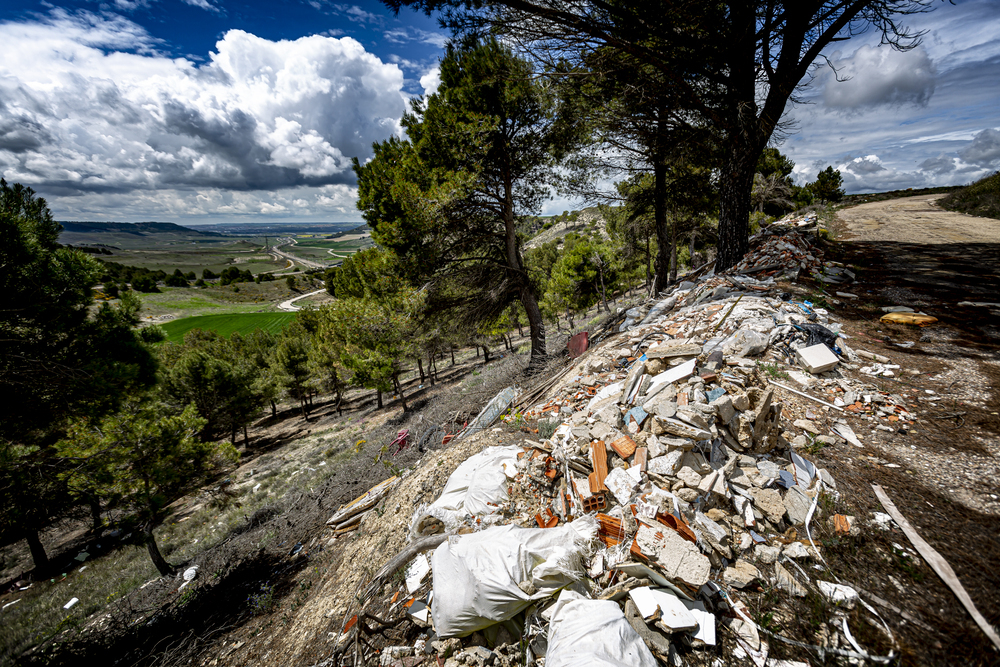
pixel 920 220
pixel 934 256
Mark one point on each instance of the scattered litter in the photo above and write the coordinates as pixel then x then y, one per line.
pixel 70 604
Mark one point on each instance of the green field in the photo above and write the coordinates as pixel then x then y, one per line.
pixel 227 324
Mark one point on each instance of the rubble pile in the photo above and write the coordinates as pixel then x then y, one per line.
pixel 673 483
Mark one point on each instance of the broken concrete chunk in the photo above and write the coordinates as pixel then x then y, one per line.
pixel 797 506
pixel 838 593
pixel 690 478
pixel 678 558
pixel 600 431
pixel 762 414
pixel 807 425
pixel 724 408
pixel 741 401
pixel 741 574
pixel 675 374
pixel 620 483
pixel 796 550
pixel 769 502
pixel 766 554
pixel 679 428
pixel 666 465
pixel 611 416
pixel 666 350
pixel 786 582
pixel 661 405
pixel 693 417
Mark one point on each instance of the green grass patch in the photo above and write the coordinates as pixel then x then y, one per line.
pixel 227 324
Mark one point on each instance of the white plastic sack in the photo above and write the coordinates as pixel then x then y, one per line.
pixel 477 576
pixel 593 633
pixel 474 489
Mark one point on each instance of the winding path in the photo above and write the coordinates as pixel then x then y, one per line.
pixel 289 304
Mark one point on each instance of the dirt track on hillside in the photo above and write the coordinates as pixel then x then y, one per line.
pixel 919 219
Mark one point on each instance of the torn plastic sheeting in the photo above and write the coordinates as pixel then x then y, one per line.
pixel 496 407
pixel 478 578
pixel 593 633
pixel 476 488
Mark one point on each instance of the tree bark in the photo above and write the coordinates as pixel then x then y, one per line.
pixel 246 438
pixel 38 555
pixel 162 566
pixel 744 141
pixel 451 348
pixel 378 394
pixel 420 367
pixel 274 409
pixel 399 390
pixel 486 355
pixel 673 248
pixel 95 515
pixel 662 274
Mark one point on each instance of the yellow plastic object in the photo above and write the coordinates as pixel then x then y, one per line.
pixel 909 318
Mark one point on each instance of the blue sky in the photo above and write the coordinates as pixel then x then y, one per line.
pixel 209 110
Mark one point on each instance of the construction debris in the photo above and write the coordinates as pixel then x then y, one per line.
pixel 675 481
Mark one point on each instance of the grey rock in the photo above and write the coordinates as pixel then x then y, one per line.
pixel 724 408
pixel 786 582
pixel 687 495
pixel 766 554
pixel 797 506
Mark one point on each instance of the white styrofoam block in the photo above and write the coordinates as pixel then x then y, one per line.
pixel 817 358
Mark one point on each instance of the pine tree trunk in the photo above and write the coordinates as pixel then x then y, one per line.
pixel 734 209
pixel 378 393
pixel 399 390
pixel 673 248
pixel 162 566
pixel 38 555
pixel 486 355
pixel 246 438
pixel 95 516
pixel 451 348
pixel 274 409
pixel 662 275
pixel 746 137
pixel 420 367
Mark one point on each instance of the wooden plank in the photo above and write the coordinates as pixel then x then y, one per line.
pixel 938 564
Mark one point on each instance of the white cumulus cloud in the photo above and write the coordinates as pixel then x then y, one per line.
pixel 89 105
pixel 431 81
pixel 877 76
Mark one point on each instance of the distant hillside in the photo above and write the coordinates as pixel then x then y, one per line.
pixel 579 222
pixel 137 228
pixel 982 198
